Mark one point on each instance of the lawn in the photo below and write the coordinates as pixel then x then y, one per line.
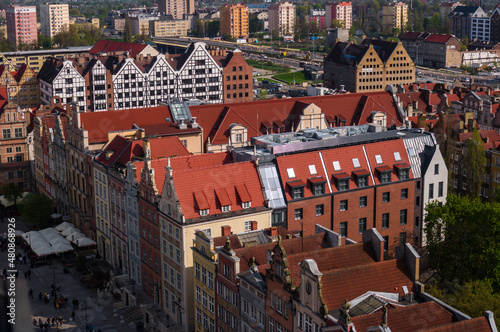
pixel 260 79
pixel 299 77
pixel 267 65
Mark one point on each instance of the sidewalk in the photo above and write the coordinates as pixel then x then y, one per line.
pixel 98 311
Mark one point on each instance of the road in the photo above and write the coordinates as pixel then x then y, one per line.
pixel 447 77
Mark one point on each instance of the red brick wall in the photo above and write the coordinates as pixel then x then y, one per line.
pixel 309 218
pixel 237 78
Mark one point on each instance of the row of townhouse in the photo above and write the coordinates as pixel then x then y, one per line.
pixel 142 207
pixel 122 79
pixel 22 85
pixel 273 280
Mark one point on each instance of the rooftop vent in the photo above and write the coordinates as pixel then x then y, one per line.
pixel 194 124
pixel 182 125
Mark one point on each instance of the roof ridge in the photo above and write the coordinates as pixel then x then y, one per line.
pixel 215 166
pixel 409 307
pixel 329 272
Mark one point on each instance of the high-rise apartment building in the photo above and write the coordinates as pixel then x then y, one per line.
pixel 282 18
pixel 394 16
pixel 21 25
pixel 54 18
pixel 234 20
pixel 176 8
pixel 340 11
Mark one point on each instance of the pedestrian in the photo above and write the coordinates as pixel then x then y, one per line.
pixel 77 304
pixel 73 315
pixel 34 322
pixel 20 259
pixel 25 275
pixel 40 297
pixel 29 274
pixel 60 320
pixel 53 321
pixel 31 293
pixel 74 304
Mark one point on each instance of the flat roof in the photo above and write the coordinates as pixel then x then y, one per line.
pixel 75 49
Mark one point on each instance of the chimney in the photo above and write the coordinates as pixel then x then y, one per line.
pixel 253 225
pixel 274 231
pixel 225 230
pixel 194 124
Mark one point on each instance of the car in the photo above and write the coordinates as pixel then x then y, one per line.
pixel 464 80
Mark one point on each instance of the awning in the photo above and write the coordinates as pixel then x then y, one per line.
pixel 69 231
pixel 43 251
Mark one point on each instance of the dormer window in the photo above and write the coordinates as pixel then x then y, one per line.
pixel 297 189
pixel 317 185
pixel 403 171
pixel 363 181
pixel 319 189
pixel 384 174
pixel 246 205
pixel 204 212
pixel 226 208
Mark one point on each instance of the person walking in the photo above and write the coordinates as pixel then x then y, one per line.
pixel 31 293
pixel 29 274
pixel 40 297
pixel 53 321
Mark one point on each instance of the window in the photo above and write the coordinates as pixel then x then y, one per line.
pixel 431 190
pixel 248 226
pixel 440 189
pixel 197 270
pixel 343 229
pixel 198 294
pixel 246 205
pixel 6 133
pixel 362 181
pixel 319 189
pixel 363 201
pixel 404 174
pixel 362 225
pixel 298 214
pixel 436 169
pixel 204 212
pixel 403 214
pixel 271 300
pixel 385 177
pixel 300 321
pixel 271 324
pixel 226 208
pixel 298 193
pixel 320 210
pixel 402 238
pixel 344 205
pixel 385 220
pixel 455 169
pixel 386 197
pixel 279 305
pixel 343 184
pixel 18 132
pixel 404 193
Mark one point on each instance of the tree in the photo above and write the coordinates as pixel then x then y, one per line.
pixel 127 37
pixel 74 12
pixel 37 209
pixel 462 239
pixel 254 24
pixel 474 163
pixel 318 6
pixel 338 24
pixel 12 192
pixel 465 44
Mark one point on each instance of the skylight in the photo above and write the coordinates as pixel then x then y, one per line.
pixel 397 157
pixel 312 169
pixel 355 162
pixel 180 112
pixel 411 152
pixel 291 173
pixel 378 158
pixel 336 166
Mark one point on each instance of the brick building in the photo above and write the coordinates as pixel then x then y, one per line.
pixel 369 66
pixel 237 78
pixel 432 50
pixel 22 85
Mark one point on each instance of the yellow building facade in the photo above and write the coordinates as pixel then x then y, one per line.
pixel 170 28
pixel 204 259
pixel 22 86
pixel 394 16
pixel 234 20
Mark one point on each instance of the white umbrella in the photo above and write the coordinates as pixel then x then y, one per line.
pixel 62 226
pixel 69 231
pixel 43 251
pixel 62 247
pixel 75 236
pixel 53 236
pixel 30 236
pixel 85 242
pixel 47 231
pixel 59 240
pixel 37 243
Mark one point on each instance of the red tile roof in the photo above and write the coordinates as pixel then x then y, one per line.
pixel 333 258
pixel 113 46
pixel 200 161
pixel 153 120
pixel 205 181
pixel 410 35
pixel 411 318
pixel 491 136
pixel 479 324
pixel 356 108
pixel 386 151
pixel 437 38
pixel 169 146
pixel 351 282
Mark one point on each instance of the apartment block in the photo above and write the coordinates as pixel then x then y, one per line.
pixel 169 28
pixel 480 26
pixel 54 18
pixel 495 26
pixel 461 19
pixel 234 20
pixel 21 25
pixel 369 66
pixel 394 16
pixel 340 11
pixel 282 18
pixel 176 8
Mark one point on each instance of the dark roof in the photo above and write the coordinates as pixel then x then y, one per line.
pixel 346 53
pixel 113 46
pixel 464 10
pixel 50 69
pixel 410 35
pixel 383 48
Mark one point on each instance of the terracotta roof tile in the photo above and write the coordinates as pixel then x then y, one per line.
pixel 191 182
pixel 351 282
pixel 479 324
pixel 411 318
pixel 113 46
pixel 386 151
pixel 437 38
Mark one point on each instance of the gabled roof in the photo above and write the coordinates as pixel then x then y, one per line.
pixel 120 150
pixel 464 11
pixel 348 283
pixel 410 35
pixel 50 69
pixel 491 138
pixel 410 318
pixel 386 150
pixel 103 46
pixel 204 182
pixel 439 38
pixel 479 324
pixel 152 120
pixel 383 48
pixel 346 53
